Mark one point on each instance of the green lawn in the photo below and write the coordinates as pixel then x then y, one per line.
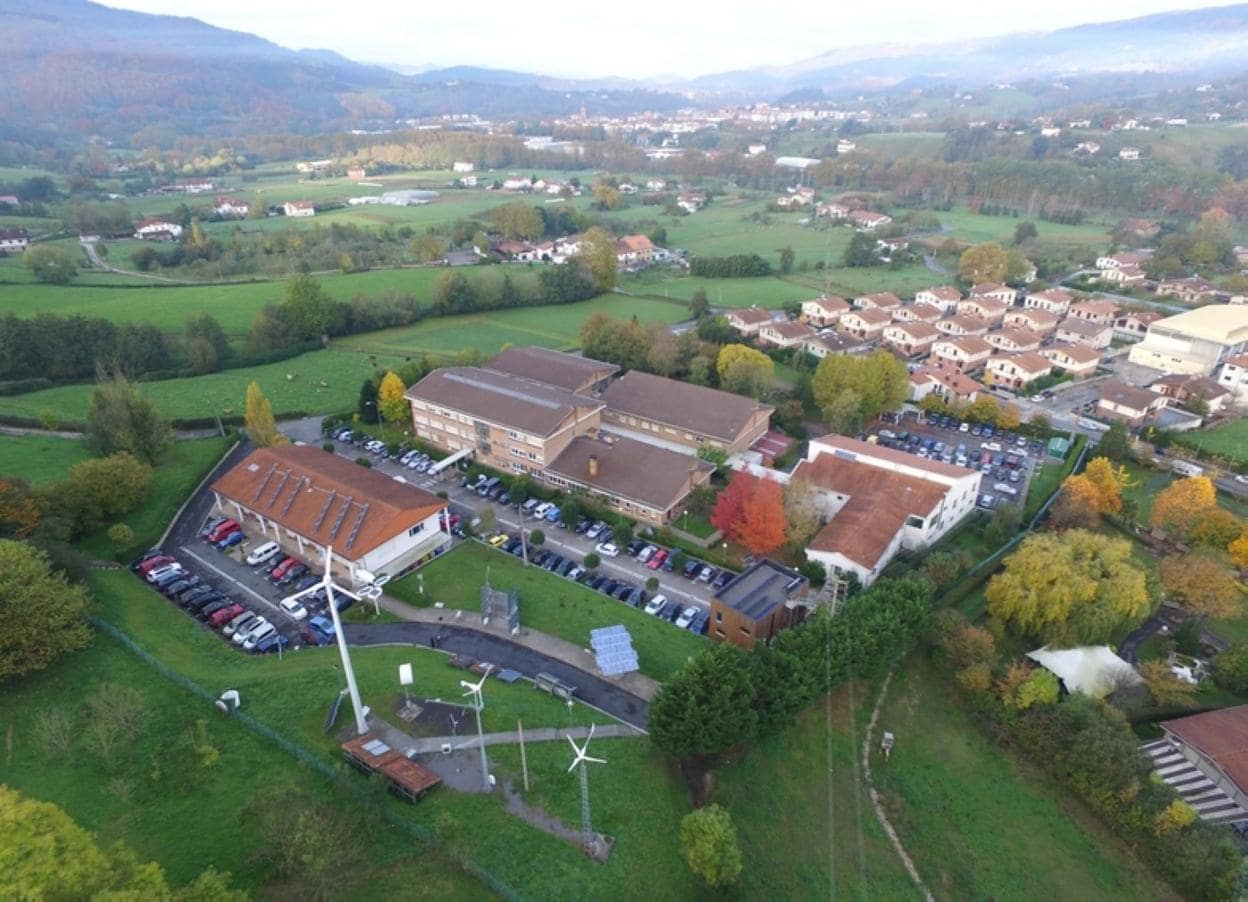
pixel 190 819
pixel 549 604
pixel 978 823
pixel 800 820
pixel 1230 440
pixel 963 225
pixel 638 801
pixel 40 459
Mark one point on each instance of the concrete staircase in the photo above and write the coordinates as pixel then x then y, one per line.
pixel 1210 802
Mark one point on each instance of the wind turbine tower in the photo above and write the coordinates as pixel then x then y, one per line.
pixel 478 703
pixel 581 759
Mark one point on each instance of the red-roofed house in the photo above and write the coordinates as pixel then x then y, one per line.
pixel 917 313
pixel 959 326
pixel 1078 360
pixel 1083 332
pixel 749 320
pixel 1002 293
pixel 947 384
pixel 965 354
pixel 945 298
pixel 1054 300
pixel 880 300
pixel 988 309
pixel 823 311
pixel 1098 310
pixel 1016 370
pixel 1014 341
pixel 784 334
pixel 864 324
pixel 911 339
pixel 1039 321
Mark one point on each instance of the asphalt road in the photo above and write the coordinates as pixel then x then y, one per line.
pixel 496 650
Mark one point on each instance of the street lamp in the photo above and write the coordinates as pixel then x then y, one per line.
pixel 380 421
pixel 723 554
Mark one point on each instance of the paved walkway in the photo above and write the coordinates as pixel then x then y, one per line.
pixel 544 734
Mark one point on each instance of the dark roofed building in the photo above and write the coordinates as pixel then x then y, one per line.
pixel 756 605
pixel 567 371
pixel 1204 757
pixel 638 479
pixel 682 416
pixel 307 500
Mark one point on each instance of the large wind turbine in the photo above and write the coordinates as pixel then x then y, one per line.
pixel 478 703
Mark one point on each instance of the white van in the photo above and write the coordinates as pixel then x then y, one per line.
pixel 1005 489
pixel 262 554
pixel 1183 468
pixel 542 509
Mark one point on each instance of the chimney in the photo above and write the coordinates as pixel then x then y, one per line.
pixel 593 466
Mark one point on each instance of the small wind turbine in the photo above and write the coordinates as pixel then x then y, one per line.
pixel 581 759
pixel 478 703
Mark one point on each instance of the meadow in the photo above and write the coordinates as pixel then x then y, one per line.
pixel 1229 440
pixel 40 459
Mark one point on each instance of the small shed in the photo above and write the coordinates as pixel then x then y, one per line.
pixel 1059 447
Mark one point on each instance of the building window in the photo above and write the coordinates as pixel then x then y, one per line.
pixel 419 527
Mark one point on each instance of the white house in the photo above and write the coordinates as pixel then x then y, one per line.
pixel 1078 360
pixel 947 384
pixel 965 354
pixel 231 206
pixel 299 208
pixel 911 339
pixel 1077 331
pixel 784 334
pixel 157 229
pixel 749 320
pixel 868 220
pixel 1003 293
pixel 824 311
pixel 879 300
pixel 878 502
pixel 864 325
pixel 13 241
pixel 1054 300
pixel 944 298
pixel 1014 371
pixel 1129 153
pixel 462 166
pixel 1233 376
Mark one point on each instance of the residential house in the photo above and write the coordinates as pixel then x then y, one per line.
pixel 510 422
pixel 834 212
pixel 1196 341
pixel 10 200
pixel 1002 293
pixel 633 250
pixel 1125 276
pixel 196 186
pixel 784 334
pixel 1014 341
pixel 916 313
pixel 682 416
pixel 867 220
pixel 757 604
pixel 517 183
pixel 911 339
pixel 886 247
pixel 944 298
pixel 1129 153
pixel 1054 300
pixel 308 501
pixel 1126 403
pixel 1182 389
pixel 1233 376
pixel 823 311
pixel 880 300
pixel 355 173
pixel 749 320
pixel 1033 319
pixel 157 228
pixel 965 354
pixel 1134 326
pixel 845 146
pixel 1082 332
pixel 866 325
pixel 691 201
pixel 988 309
pixel 313 165
pixel 1100 311
pixel 462 166
pixel 831 342
pixel 13 241
pixel 231 207
pixel 656 184
pixel 299 208
pixel 1204 758
pixel 1193 289
pixel 880 501
pixel 1118 261
pixel 947 384
pixel 570 372
pixel 1078 360
pixel 638 479
pixel 957 326
pixel 1014 371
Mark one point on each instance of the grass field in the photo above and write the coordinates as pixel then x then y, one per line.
pixel 964 225
pixel 637 800
pixel 549 604
pixel 191 820
pixel 980 825
pixel 1230 440
pixel 39 459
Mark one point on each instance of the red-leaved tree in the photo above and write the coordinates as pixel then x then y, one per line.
pixel 750 512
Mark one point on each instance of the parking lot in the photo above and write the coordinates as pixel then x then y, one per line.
pixel 1005 460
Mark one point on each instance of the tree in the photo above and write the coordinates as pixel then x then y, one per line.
pixel 366 407
pixel 1179 505
pixel 119 418
pixel 703 710
pixel 518 220
pixel 744 370
pixel 878 381
pixel 1074 587
pixel 983 263
pixel 488 520
pixel 801 513
pixel 1114 443
pixel 1201 583
pixel 95 492
pixel 860 251
pixel 1077 506
pixel 50 264
pixel 1108 482
pixel 19 510
pixel 1230 669
pixel 983 409
pixel 1164 685
pixel 390 399
pixel 1025 231
pixel 787 259
pixel 763 518
pixel 308 309
pixel 206 344
pixel 258 420
pixel 44 615
pixel 1040 688
pixel 592 561
pixel 1216 527
pixel 121 535
pixel 708 841
pixel 309 842
pixel 1178 815
pixel 537 537
pixel 699 305
pixel 598 253
pixel 1008 416
pixel 1238 550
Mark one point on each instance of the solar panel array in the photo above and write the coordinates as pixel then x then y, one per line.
pixel 613 649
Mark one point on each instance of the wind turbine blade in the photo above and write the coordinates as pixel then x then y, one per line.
pixel 572 766
pixel 576 751
pixel 595 760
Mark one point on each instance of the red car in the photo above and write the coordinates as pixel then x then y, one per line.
pixel 225 615
pixel 153 562
pixel 657 559
pixel 283 568
pixel 223 530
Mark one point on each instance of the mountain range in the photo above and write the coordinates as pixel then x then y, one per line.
pixel 73 67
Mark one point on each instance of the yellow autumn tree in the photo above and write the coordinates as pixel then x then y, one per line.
pixel 1238 550
pixel 1202 583
pixel 390 400
pixel 1109 481
pixel 1179 506
pixel 1078 505
pixel 258 421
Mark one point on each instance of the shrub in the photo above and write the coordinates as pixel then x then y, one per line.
pixel 364 462
pixel 328 447
pixel 537 537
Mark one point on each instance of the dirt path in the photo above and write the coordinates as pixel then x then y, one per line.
pixel 875 796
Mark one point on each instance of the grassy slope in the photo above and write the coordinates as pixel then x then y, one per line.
pixel 39 459
pixel 638 800
pixel 978 824
pixel 1229 440
pixel 550 604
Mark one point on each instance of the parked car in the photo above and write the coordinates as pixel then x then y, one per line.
pixel 271 643
pixel 575 573
pixel 254 637
pixel 242 635
pixel 240 621
pixel 152 563
pixel 294 573
pixel 634 547
pixel 234 538
pixel 319 631
pixel 263 553
pixel 707 574
pixel 282 569
pixel 147 556
pixel 608 586
pixel 176 587
pixel 207 611
pixel 497 541
pixel 654 605
pixel 699 623
pixel 691 569
pixel 292 607
pixel 222 529
pixel 724 578
pixel 595 529
pixel 163 570
pixel 582 525
pixel 656 561
pixel 223 616
pixel 165 576
pixel 646 553
pixel 686 617
pixel 189 599
pixel 203 599
pixel 307 583
pixel 606 549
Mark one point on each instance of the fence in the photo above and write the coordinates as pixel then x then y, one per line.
pixel 419 832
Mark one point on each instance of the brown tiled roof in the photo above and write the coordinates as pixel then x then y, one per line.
pixel 751 315
pixel 1191 384
pixel 960 384
pixel 968 344
pixel 1017 336
pixel 991 307
pixel 1128 396
pixel 878 299
pixel 693 408
pixel 636 471
pixel 1057 295
pixel 919 331
pixel 1027 361
pixel 326 498
pixel 567 371
pixel 1096 307
pixel 879 502
pixel 970 323
pixel 982 288
pixel 1143 316
pixel 925 313
pixel 854 446
pixel 1077 353
pixel 635 243
pixel 1082 327
pixel 1221 736
pixel 1238 360
pixel 1042 318
pixel 790 329
pixel 830 303
pixel 501 398
pixel 946 292
pixel 872 316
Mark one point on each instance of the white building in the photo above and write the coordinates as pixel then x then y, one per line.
pixel 1233 376
pixel 299 208
pixel 1195 342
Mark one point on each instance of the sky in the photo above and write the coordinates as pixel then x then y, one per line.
pixel 640 39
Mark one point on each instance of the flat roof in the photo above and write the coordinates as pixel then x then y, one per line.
pixel 1224 324
pixel 760 589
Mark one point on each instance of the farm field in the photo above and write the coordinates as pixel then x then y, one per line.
pixel 977 822
pixel 1229 440
pixel 963 225
pixel 634 802
pixel 769 291
pixel 549 604
pixel 40 459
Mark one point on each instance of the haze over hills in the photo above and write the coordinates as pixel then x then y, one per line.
pixel 154 77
